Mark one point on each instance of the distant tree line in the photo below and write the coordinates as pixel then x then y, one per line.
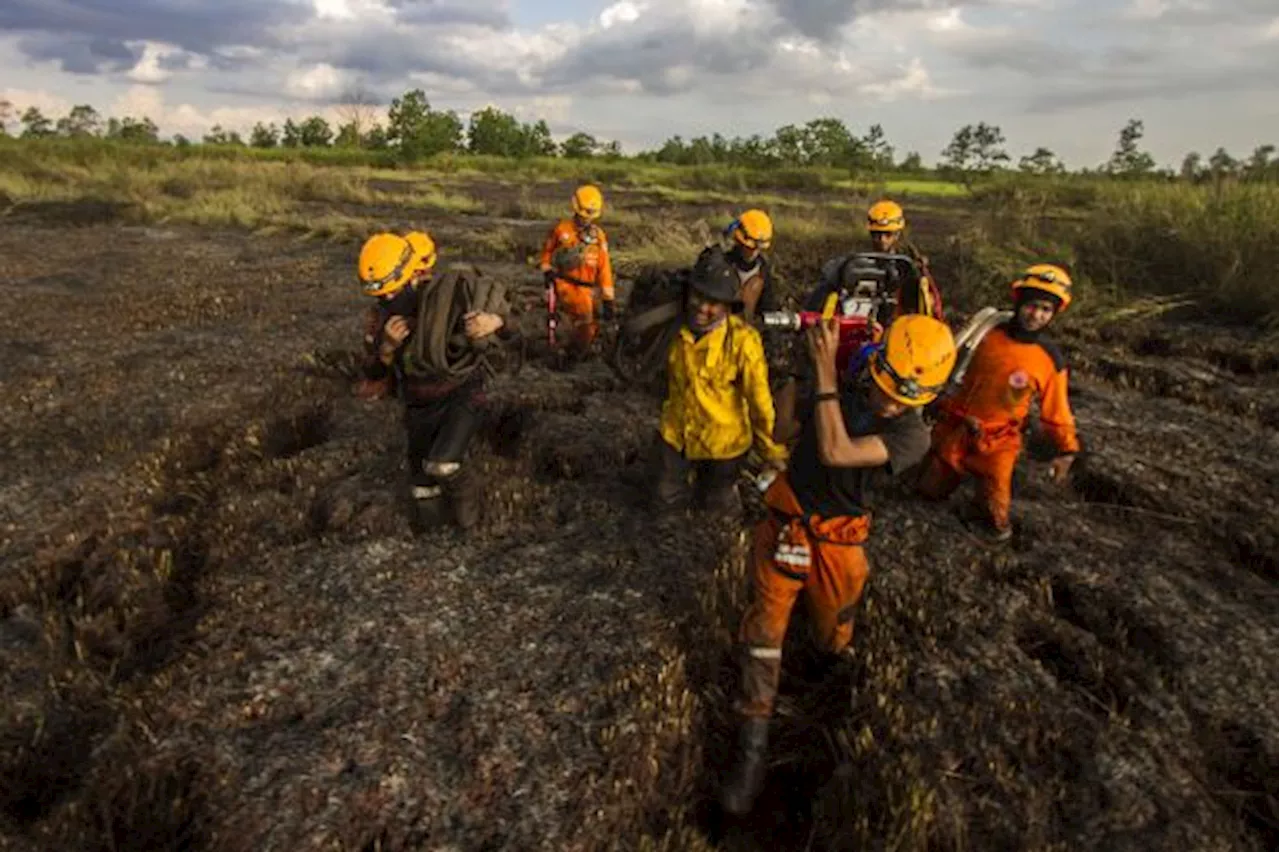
pixel 413 129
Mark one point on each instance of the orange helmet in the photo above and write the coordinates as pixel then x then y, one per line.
pixel 915 360
pixel 1047 278
pixel 425 247
pixel 754 229
pixel 588 202
pixel 385 264
pixel 886 216
pixel 389 261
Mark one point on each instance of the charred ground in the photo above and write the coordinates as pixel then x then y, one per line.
pixel 217 631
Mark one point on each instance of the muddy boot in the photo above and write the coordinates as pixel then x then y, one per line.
pixel 1000 535
pixel 746 779
pixel 978 524
pixel 986 532
pixel 426 506
pixel 464 497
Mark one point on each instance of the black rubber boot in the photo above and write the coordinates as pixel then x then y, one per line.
pixel 746 779
pixel 427 508
pixel 464 496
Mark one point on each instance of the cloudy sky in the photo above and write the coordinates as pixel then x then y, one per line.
pixel 1065 74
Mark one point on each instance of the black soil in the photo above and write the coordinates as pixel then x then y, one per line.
pixel 218 631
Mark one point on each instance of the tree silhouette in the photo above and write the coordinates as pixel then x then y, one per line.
pixel 35 125
pixel 1128 160
pixel 264 135
pixel 357 112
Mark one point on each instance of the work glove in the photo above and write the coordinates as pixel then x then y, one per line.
pixel 606 310
pixel 549 278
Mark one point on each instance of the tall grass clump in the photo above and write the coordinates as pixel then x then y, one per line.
pixel 672 245
pixel 1216 243
pixel 163 184
pixel 1006 225
pixel 1124 241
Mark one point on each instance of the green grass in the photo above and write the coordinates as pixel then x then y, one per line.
pixel 904 188
pixel 1124 241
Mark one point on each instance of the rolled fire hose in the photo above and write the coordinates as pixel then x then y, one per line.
pixel 970 336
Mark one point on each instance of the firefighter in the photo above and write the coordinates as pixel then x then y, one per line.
pixel 441 409
pixel 575 261
pixel 979 431
pixel 718 403
pixel 393 298
pixel 886 223
pixel 819 521
pixel 751 236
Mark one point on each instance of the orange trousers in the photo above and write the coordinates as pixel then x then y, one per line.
pixel 578 305
pixel 822 557
pixel 962 449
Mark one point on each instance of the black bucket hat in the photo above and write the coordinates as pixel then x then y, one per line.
pixel 715 279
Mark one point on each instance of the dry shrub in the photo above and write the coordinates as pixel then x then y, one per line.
pixel 1217 242
pixel 660 244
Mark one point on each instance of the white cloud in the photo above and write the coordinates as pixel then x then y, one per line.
pixel 319 82
pixel 945 22
pixel 554 108
pixel 1145 10
pixel 148 68
pixel 723 17
pixel 913 82
pixel 347 11
pixel 138 101
pixel 48 103
pixel 623 12
pixel 648 69
pixel 339 10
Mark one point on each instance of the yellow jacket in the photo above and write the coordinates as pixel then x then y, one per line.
pixel 718 402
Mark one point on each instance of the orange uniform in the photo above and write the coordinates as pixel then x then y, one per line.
pixel 980 432
pixel 812 542
pixel 793 552
pixel 579 258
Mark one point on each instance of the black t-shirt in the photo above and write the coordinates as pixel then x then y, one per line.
pixel 836 491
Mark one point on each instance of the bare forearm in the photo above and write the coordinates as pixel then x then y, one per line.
pixel 834 446
pixel 837 449
pixel 785 425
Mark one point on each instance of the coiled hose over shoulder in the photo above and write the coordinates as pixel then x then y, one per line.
pixel 440 348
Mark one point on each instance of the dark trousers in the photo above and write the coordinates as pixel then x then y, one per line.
pixel 713 484
pixel 439 432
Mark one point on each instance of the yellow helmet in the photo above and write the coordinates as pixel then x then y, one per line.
pixel 886 216
pixel 915 359
pixel 754 230
pixel 424 247
pixel 1047 278
pixel 386 264
pixel 588 202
